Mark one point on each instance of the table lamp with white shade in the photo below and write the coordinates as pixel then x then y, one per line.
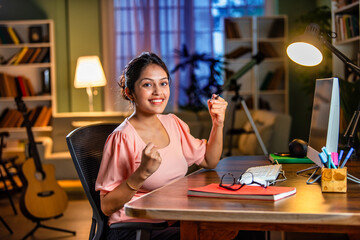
pixel 89 74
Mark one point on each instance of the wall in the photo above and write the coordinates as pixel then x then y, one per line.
pixel 77 33
pixel 300 101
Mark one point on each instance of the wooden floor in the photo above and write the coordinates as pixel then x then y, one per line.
pixel 77 217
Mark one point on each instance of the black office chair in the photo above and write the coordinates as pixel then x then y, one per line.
pixel 86 147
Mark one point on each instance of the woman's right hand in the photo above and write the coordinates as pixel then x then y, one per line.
pixel 150 160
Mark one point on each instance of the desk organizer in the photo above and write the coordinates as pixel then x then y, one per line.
pixel 334 180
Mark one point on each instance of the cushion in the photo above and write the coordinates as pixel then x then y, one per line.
pixel 248 143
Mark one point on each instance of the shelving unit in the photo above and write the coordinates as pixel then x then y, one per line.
pixel 268 35
pixel 32 71
pixel 348 45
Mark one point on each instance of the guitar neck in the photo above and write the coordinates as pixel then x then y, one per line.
pixel 32 144
pixel 33 151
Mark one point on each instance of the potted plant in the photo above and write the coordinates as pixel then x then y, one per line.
pixel 200 87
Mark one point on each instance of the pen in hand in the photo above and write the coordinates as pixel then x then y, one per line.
pixel 214 97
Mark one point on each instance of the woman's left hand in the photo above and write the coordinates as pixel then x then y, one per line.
pixel 217 107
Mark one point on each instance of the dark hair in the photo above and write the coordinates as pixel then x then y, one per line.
pixel 133 69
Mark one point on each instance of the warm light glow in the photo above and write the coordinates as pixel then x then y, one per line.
pixel 89 72
pixel 304 54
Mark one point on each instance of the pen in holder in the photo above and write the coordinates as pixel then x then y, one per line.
pixel 334 180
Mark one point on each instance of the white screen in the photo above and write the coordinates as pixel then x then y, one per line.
pixel 324 129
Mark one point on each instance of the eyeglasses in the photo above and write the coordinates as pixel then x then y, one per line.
pixel 229 181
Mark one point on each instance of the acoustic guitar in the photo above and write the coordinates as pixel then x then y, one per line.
pixel 42 197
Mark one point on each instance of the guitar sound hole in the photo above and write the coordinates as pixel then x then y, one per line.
pixel 45 194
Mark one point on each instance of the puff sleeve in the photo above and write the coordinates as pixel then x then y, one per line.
pixel 118 162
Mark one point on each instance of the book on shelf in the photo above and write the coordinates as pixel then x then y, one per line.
pixel 3 85
pixel 268 50
pixel 11 86
pixel 8 118
pixel 40 121
pixel 12 83
pixel 346 26
pixel 12 59
pixel 13 35
pixel 3 114
pixel 27 55
pixel 39 116
pixel 265 83
pixel 273 80
pixel 35 114
pixel 34 55
pixel 18 36
pixel 18 88
pixel 288 159
pixel 20 83
pixel 42 55
pixel 29 86
pixel 5 36
pixel 30 114
pixel 15 119
pixel 271 193
pixel 231 29
pixel 6 84
pixel 47 117
pixel 21 55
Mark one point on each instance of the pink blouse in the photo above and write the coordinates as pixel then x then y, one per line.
pixel 122 156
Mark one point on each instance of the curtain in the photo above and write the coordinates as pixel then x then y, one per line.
pixel 159 26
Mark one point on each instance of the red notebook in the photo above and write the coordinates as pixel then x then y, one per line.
pixel 271 193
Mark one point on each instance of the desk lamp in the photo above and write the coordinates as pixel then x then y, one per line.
pixel 305 50
pixel 89 74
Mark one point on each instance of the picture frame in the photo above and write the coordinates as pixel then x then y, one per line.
pixel 35 34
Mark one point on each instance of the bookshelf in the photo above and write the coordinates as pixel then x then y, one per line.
pixel 345 22
pixel 265 86
pixel 27 53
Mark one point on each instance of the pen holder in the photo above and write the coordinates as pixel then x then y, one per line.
pixel 334 180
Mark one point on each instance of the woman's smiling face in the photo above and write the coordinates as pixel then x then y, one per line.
pixel 151 90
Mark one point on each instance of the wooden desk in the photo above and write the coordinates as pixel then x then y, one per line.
pixel 309 210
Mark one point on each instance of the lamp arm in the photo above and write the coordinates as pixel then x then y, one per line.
pixel 340 55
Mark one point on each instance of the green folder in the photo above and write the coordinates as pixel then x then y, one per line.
pixel 281 159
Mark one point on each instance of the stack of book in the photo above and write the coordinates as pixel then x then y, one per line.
pixel 12 86
pixel 39 117
pixel 273 80
pixel 347 26
pixel 29 55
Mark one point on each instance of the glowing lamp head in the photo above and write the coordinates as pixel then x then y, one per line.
pixel 304 54
pixel 305 49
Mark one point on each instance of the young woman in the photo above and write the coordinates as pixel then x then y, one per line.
pixel 150 149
